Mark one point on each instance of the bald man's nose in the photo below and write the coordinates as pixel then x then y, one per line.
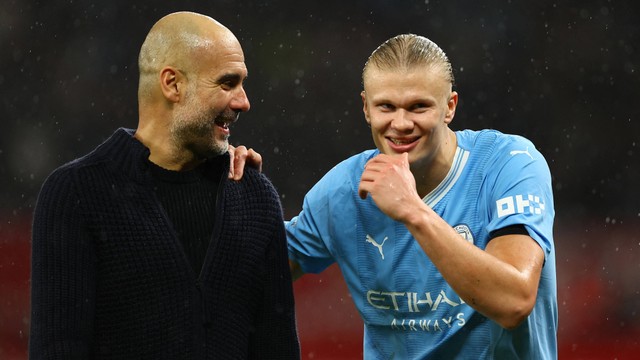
pixel 240 101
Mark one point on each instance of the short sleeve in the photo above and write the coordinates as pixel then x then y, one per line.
pixel 522 192
pixel 306 232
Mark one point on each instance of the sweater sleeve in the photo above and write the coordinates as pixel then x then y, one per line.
pixel 62 274
pixel 275 334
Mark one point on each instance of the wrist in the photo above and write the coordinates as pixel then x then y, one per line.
pixel 416 216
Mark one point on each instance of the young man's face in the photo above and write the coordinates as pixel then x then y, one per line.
pixel 408 111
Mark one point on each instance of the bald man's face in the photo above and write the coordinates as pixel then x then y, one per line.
pixel 214 98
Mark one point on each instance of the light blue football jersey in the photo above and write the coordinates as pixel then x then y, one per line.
pixel 409 310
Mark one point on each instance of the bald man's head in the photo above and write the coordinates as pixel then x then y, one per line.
pixel 179 40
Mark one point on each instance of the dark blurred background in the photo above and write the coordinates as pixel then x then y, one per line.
pixel 564 74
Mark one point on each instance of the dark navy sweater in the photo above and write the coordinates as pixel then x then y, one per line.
pixel 110 279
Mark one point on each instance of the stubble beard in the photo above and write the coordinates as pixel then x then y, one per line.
pixel 195 131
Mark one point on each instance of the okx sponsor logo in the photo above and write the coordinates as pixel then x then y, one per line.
pixel 519 204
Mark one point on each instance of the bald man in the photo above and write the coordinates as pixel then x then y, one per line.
pixel 144 248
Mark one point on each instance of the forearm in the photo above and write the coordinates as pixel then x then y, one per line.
pixel 490 284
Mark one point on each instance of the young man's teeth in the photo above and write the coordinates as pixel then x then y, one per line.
pixel 400 142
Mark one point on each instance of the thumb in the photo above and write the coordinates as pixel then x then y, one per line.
pixel 231 169
pixel 405 158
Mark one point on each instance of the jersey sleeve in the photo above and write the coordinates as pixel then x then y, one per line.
pixel 308 231
pixel 522 192
pixel 323 231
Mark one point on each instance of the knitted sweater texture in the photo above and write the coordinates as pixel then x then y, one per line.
pixel 110 280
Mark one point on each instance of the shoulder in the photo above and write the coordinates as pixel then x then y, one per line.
pixel 253 195
pixel 518 152
pixel 340 184
pixel 253 182
pixel 63 187
pixel 350 169
pixel 99 156
pixel 488 137
pixel 69 172
pixel 499 147
pixel 84 174
pixel 358 160
pixel 255 177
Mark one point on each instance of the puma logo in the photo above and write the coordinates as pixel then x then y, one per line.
pixel 516 152
pixel 373 242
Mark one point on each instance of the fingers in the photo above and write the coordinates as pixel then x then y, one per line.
pixel 255 159
pixel 376 167
pixel 405 158
pixel 404 163
pixel 232 151
pixel 362 187
pixel 369 176
pixel 239 160
pixel 241 157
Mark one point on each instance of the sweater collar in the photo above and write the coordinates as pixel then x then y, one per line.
pixel 131 156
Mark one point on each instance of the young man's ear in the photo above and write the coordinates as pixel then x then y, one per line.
pixel 365 108
pixel 170 83
pixel 452 104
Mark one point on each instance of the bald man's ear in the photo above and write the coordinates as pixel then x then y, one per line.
pixel 171 83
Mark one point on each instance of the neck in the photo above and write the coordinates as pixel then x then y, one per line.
pixel 163 151
pixel 431 174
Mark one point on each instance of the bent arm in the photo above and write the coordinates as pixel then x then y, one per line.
pixel 500 282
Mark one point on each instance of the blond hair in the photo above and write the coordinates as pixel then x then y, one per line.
pixel 405 52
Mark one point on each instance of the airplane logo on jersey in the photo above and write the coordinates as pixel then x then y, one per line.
pixel 516 152
pixel 373 242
